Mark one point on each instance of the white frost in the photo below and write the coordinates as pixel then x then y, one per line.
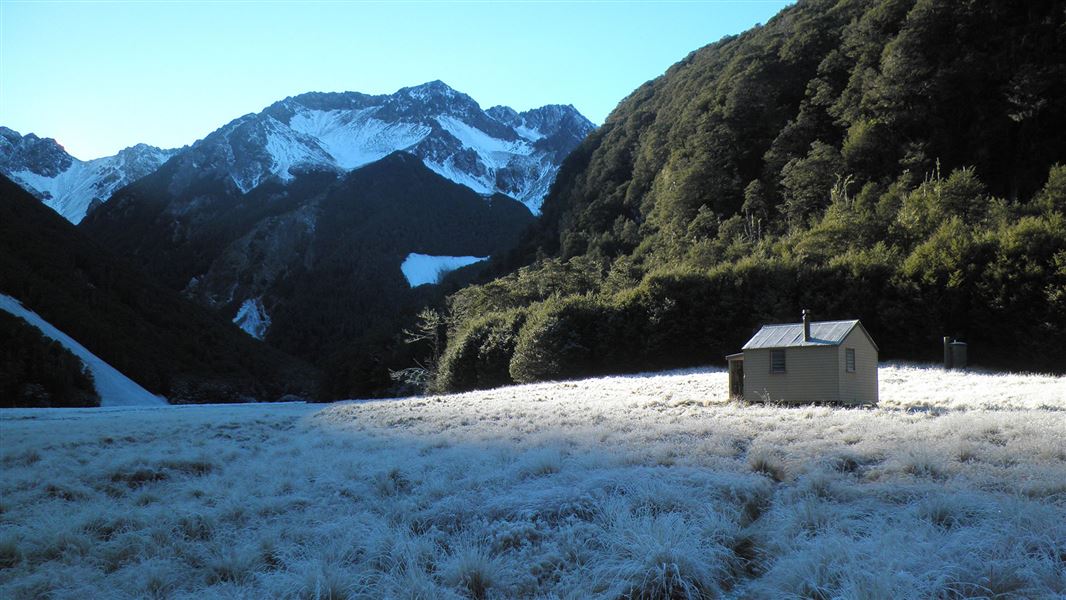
pixel 420 269
pixel 649 486
pixel 115 389
pixel 252 317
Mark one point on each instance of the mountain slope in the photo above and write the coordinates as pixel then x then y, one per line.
pixel 166 344
pixel 495 151
pixel 37 371
pixel 891 160
pixel 312 264
pixel 113 388
pixel 70 186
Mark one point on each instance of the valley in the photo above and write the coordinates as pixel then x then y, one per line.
pixel 264 338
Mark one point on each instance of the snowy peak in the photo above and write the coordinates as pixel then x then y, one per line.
pixel 68 185
pixel 433 93
pixel 254 147
pixel 546 121
pixel 495 151
pixel 40 156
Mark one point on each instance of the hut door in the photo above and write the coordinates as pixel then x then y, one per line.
pixel 736 378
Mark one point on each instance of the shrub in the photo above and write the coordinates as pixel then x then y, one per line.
pixel 479 355
pixel 561 339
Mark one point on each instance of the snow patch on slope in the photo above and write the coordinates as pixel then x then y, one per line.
pixel 115 389
pixel 355 138
pixel 422 269
pixel 288 151
pixel 252 317
pixel 68 193
pixel 494 152
pixel 450 171
pixel 529 133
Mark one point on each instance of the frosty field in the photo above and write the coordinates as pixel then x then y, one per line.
pixel 646 486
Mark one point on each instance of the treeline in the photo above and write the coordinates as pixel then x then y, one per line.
pixel 897 161
pixel 36 371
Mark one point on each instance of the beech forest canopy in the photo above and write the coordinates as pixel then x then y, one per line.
pixel 896 161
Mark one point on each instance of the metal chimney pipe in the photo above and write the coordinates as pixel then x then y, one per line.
pixel 806 325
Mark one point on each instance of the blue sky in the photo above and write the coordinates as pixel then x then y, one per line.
pixel 102 75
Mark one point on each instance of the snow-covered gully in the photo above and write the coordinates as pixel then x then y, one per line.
pixel 649 486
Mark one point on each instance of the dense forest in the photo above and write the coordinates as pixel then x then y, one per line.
pixel 896 161
pixel 167 344
pixel 40 372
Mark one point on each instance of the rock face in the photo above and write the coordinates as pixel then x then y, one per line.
pixel 493 151
pixel 70 186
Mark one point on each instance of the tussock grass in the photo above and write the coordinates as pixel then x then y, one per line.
pixel 650 487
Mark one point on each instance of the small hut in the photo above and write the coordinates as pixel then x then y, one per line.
pixel 796 363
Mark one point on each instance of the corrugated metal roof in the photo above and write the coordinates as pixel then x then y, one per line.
pixel 790 335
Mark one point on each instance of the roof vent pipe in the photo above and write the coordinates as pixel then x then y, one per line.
pixel 806 325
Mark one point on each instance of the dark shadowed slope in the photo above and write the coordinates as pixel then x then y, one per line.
pixel 163 342
pixel 317 257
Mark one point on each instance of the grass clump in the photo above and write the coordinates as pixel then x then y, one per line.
pixel 767 463
pixel 473 570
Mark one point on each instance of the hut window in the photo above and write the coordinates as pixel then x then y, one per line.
pixel 777 361
pixel 850 358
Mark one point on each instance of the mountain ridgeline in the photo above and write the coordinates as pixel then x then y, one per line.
pixel 897 161
pixel 70 186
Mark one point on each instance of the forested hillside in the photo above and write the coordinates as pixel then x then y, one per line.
pixel 897 161
pixel 163 342
pixel 37 371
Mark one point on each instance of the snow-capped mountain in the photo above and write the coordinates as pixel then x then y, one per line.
pixel 68 185
pixel 498 150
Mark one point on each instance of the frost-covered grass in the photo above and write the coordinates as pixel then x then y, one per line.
pixel 623 487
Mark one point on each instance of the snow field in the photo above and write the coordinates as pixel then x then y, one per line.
pixel 420 269
pixel 649 486
pixel 353 137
